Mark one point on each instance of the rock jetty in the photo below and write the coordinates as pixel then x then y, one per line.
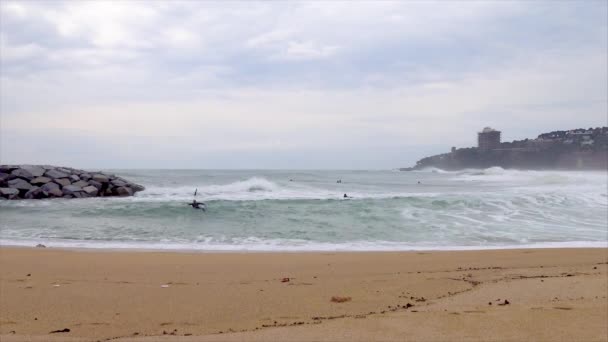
pixel 43 181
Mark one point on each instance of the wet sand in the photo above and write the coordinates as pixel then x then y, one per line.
pixel 542 294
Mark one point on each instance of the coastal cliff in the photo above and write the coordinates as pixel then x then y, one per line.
pixel 43 181
pixel 578 149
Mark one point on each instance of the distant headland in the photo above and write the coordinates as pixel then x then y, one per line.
pixel 575 149
pixel 44 181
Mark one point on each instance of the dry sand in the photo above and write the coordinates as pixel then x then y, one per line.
pixel 553 294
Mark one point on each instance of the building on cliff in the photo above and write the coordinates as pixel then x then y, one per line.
pixel 578 149
pixel 488 139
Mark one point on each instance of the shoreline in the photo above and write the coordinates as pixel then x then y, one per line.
pixel 190 248
pixel 152 296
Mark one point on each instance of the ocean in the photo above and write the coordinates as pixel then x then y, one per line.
pixel 268 210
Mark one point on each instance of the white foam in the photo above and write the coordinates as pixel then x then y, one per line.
pixel 258 188
pixel 279 245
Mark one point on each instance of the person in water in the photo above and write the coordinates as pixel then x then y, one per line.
pixel 345 196
pixel 198 205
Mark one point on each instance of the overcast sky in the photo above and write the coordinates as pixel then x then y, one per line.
pixel 362 85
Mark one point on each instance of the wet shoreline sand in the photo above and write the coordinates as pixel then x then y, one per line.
pixel 526 294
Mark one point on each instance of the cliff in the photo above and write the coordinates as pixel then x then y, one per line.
pixel 43 181
pixel 578 149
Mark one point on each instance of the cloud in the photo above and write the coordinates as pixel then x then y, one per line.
pixel 258 78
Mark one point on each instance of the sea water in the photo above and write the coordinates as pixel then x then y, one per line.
pixel 262 210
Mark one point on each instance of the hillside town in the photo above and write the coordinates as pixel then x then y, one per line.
pixel 569 149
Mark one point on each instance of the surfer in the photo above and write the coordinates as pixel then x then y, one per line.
pixel 346 196
pixel 198 205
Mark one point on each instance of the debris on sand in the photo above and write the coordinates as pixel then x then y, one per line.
pixel 65 330
pixel 337 299
pixel 285 280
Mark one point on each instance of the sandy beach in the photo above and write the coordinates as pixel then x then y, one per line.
pixel 541 294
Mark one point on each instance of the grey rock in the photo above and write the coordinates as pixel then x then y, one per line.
pixel 40 180
pixel 53 192
pixel 63 181
pixel 119 182
pixel 20 184
pixel 137 187
pixel 95 184
pixel 65 170
pixel 35 192
pixel 71 188
pixel 101 178
pixel 123 191
pixel 52 173
pixel 22 173
pixel 79 194
pixel 8 168
pixel 34 170
pixel 90 190
pixel 81 184
pixel 50 186
pixel 8 192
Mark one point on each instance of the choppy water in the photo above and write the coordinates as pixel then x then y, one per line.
pixel 264 211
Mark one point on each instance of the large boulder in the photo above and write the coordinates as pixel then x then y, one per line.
pixel 81 184
pixel 74 178
pixel 95 184
pixel 85 176
pixel 9 193
pixel 35 192
pixel 56 192
pixel 19 184
pixel 98 177
pixel 123 191
pixel 40 180
pixel 137 187
pixel 22 173
pixel 79 194
pixel 52 173
pixel 49 186
pixel 71 190
pixel 65 170
pixel 119 182
pixel 6 169
pixel 34 170
pixel 90 190
pixel 63 181
pixel 4 176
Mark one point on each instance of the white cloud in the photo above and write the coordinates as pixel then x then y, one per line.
pixel 308 50
pixel 274 76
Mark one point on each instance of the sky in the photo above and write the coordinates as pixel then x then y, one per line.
pixel 291 85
